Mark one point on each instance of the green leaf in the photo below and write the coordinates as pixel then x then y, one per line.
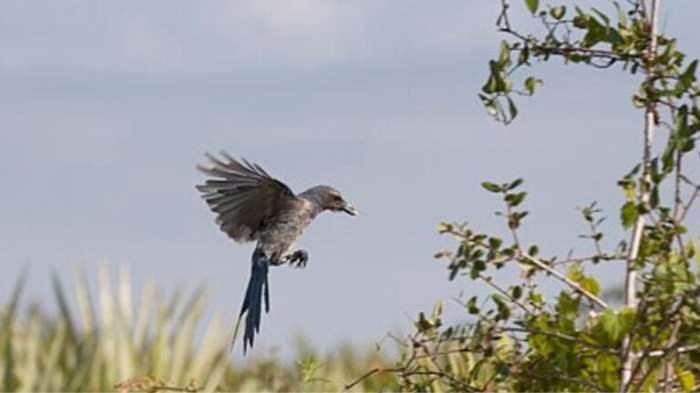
pixel 558 12
pixel 504 55
pixel 533 250
pixel 688 75
pixel 517 292
pixel 611 325
pixel 491 187
pixel 607 372
pixel 489 104
pixel 654 197
pixel 591 285
pixel 495 243
pixel 621 15
pixel 444 227
pixel 574 272
pixel 423 324
pixel 515 219
pixel 682 129
pixel 514 200
pixel 60 295
pixel 489 87
pixel 581 19
pixel 437 309
pixel 515 183
pixel 686 378
pixel 498 81
pixel 524 55
pixel 628 214
pixel 531 84
pixel 10 312
pixel 479 266
pixel 568 306
pixel 471 306
pixel 667 158
pixel 512 109
pixel 532 5
pixel 503 309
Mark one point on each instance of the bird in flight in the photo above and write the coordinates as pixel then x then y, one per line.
pixel 252 206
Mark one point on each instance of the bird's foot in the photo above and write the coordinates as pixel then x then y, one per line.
pixel 298 259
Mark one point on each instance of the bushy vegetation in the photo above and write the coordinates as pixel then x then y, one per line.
pixel 519 339
pixel 105 344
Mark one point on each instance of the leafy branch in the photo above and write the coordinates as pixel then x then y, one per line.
pixel 516 338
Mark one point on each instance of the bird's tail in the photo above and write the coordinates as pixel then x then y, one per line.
pixel 258 286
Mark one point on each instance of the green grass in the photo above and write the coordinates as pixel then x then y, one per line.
pixel 167 343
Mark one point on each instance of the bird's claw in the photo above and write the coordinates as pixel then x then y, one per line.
pixel 298 259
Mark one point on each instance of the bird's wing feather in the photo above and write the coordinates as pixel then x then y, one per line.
pixel 243 195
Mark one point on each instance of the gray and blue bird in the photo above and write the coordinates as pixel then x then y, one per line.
pixel 252 206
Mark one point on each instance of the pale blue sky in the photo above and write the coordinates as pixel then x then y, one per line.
pixel 105 109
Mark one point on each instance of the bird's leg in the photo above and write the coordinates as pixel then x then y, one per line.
pixel 298 258
pixel 279 262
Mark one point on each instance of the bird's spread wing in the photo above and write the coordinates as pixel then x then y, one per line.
pixel 243 196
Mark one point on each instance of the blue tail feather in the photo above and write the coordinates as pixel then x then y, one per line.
pixel 258 286
pixel 267 294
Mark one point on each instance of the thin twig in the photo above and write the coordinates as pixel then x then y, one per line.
pixel 674 350
pixel 690 202
pixel 576 287
pixel 505 293
pixel 369 374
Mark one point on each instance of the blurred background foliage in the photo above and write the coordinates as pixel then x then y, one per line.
pixel 112 341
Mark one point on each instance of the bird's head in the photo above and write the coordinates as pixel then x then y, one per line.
pixel 328 198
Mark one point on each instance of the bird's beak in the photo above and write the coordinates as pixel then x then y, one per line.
pixel 348 208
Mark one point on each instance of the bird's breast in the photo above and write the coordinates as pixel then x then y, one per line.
pixel 279 237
